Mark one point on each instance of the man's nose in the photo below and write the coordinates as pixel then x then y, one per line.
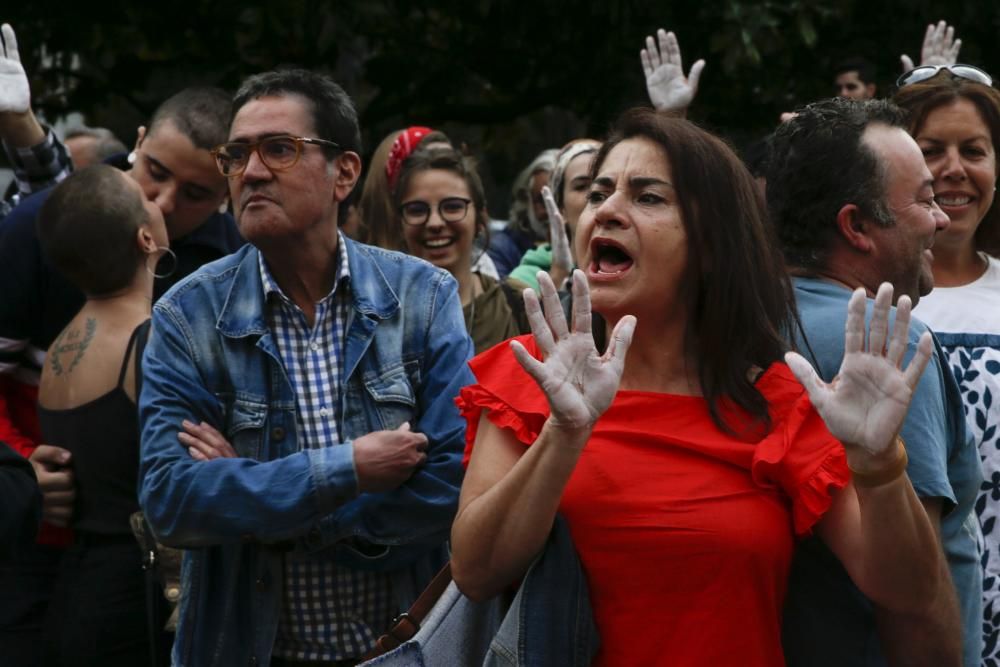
pixel 256 170
pixel 165 197
pixel 941 219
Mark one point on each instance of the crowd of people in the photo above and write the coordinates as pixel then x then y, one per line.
pixel 684 407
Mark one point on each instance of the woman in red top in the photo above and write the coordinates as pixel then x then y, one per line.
pixel 687 468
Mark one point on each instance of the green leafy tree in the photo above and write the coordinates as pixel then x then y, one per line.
pixel 507 78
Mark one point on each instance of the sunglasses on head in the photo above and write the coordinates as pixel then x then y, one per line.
pixel 924 72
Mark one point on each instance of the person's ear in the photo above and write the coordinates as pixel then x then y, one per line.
pixel 855 228
pixel 870 88
pixel 144 239
pixel 140 135
pixel 347 171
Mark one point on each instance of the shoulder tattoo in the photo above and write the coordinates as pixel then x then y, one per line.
pixel 72 340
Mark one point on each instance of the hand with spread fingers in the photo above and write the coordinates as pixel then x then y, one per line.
pixel 15 93
pixel 866 403
pixel 940 47
pixel 578 382
pixel 562 258
pixel 668 88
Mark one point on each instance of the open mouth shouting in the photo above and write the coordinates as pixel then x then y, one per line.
pixel 609 260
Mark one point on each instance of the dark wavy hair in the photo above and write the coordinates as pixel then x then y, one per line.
pixel 918 100
pixel 334 116
pixel 739 294
pixel 818 163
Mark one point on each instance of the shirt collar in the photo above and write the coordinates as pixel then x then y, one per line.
pixel 343 274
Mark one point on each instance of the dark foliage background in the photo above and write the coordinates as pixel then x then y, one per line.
pixel 507 78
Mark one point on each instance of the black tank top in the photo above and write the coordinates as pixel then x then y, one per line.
pixel 103 435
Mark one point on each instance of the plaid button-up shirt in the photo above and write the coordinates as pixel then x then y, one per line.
pixel 40 166
pixel 328 612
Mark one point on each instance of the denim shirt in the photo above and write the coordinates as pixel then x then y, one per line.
pixel 211 358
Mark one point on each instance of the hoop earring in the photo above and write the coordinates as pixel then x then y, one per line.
pixel 165 274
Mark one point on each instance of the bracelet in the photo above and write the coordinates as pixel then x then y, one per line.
pixel 887 474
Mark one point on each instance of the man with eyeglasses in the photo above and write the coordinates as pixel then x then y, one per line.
pixel 312 380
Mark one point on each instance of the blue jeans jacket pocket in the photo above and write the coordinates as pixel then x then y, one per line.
pixel 393 398
pixel 244 419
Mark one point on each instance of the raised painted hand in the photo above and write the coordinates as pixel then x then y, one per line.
pixel 866 403
pixel 578 382
pixel 15 94
pixel 562 258
pixel 668 88
pixel 940 47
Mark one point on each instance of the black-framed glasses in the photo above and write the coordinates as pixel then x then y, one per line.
pixel 924 72
pixel 451 209
pixel 277 153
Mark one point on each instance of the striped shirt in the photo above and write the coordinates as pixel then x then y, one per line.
pixel 328 612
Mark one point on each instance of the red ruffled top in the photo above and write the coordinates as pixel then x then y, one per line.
pixel 685 532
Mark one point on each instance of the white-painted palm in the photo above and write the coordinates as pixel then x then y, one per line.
pixel 668 88
pixel 562 258
pixel 867 401
pixel 940 47
pixel 15 94
pixel 578 382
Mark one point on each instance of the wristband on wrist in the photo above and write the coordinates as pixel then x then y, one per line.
pixel 885 475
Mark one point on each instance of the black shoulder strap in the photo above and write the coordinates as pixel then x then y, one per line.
pixel 137 343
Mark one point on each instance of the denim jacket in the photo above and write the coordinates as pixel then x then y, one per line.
pixel 211 358
pixel 549 623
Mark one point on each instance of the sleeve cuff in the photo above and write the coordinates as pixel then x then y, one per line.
pixel 336 479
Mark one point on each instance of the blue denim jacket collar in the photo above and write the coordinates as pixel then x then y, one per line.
pixel 243 312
